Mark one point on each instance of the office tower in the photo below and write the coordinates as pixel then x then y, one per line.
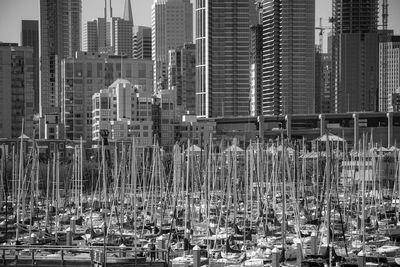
pixel 142 43
pixel 172 26
pixel 182 76
pixel 389 73
pixel 87 73
pixel 122 37
pixel 90 37
pixel 30 37
pixel 60 37
pixel 222 65
pixel 122 32
pixel 288 57
pixel 355 55
pixel 117 110
pixel 16 91
pixel 103 35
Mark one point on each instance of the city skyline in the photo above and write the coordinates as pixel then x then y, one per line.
pixel 12 12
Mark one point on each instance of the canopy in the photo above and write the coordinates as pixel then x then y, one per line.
pixel 233 148
pixel 24 136
pixel 194 148
pixel 331 138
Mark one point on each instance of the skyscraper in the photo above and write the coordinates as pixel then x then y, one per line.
pixel 30 37
pixel 90 36
pixel 172 26
pixel 60 37
pixel 288 57
pixel 122 32
pixel 142 43
pixel 222 63
pixel 255 57
pixel 355 55
pixel 389 73
pixel 16 91
pixel 182 76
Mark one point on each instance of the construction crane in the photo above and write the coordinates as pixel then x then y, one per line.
pixel 321 34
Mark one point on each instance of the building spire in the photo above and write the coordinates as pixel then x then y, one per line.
pixel 111 15
pixel 128 11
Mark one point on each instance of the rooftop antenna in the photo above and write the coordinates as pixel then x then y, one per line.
pixel 110 10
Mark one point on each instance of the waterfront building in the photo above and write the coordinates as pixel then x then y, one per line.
pixel 222 58
pixel 182 76
pixel 355 55
pixel 30 37
pixel 86 73
pixel 288 57
pixel 121 110
pixel 17 92
pixel 172 26
pixel 142 43
pixel 389 73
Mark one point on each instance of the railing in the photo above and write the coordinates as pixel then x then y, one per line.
pixel 96 253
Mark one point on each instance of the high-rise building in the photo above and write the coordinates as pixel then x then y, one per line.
pixel 122 37
pixel 60 37
pixel 182 76
pixel 142 43
pixel 355 56
pixel 103 34
pixel 288 57
pixel 222 60
pixel 172 26
pixel 122 111
pixel 90 36
pixel 122 32
pixel 30 37
pixel 323 74
pixel 87 73
pixel 389 73
pixel 16 91
pixel 255 57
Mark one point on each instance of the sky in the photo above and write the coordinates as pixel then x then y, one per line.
pixel 13 11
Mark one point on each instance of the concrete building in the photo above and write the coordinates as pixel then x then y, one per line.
pixel 172 26
pixel 17 99
pixel 90 37
pixel 30 37
pixel 85 74
pixel 119 110
pixel 60 37
pixel 288 57
pixel 142 43
pixel 182 76
pixel 222 61
pixel 389 72
pixel 355 55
